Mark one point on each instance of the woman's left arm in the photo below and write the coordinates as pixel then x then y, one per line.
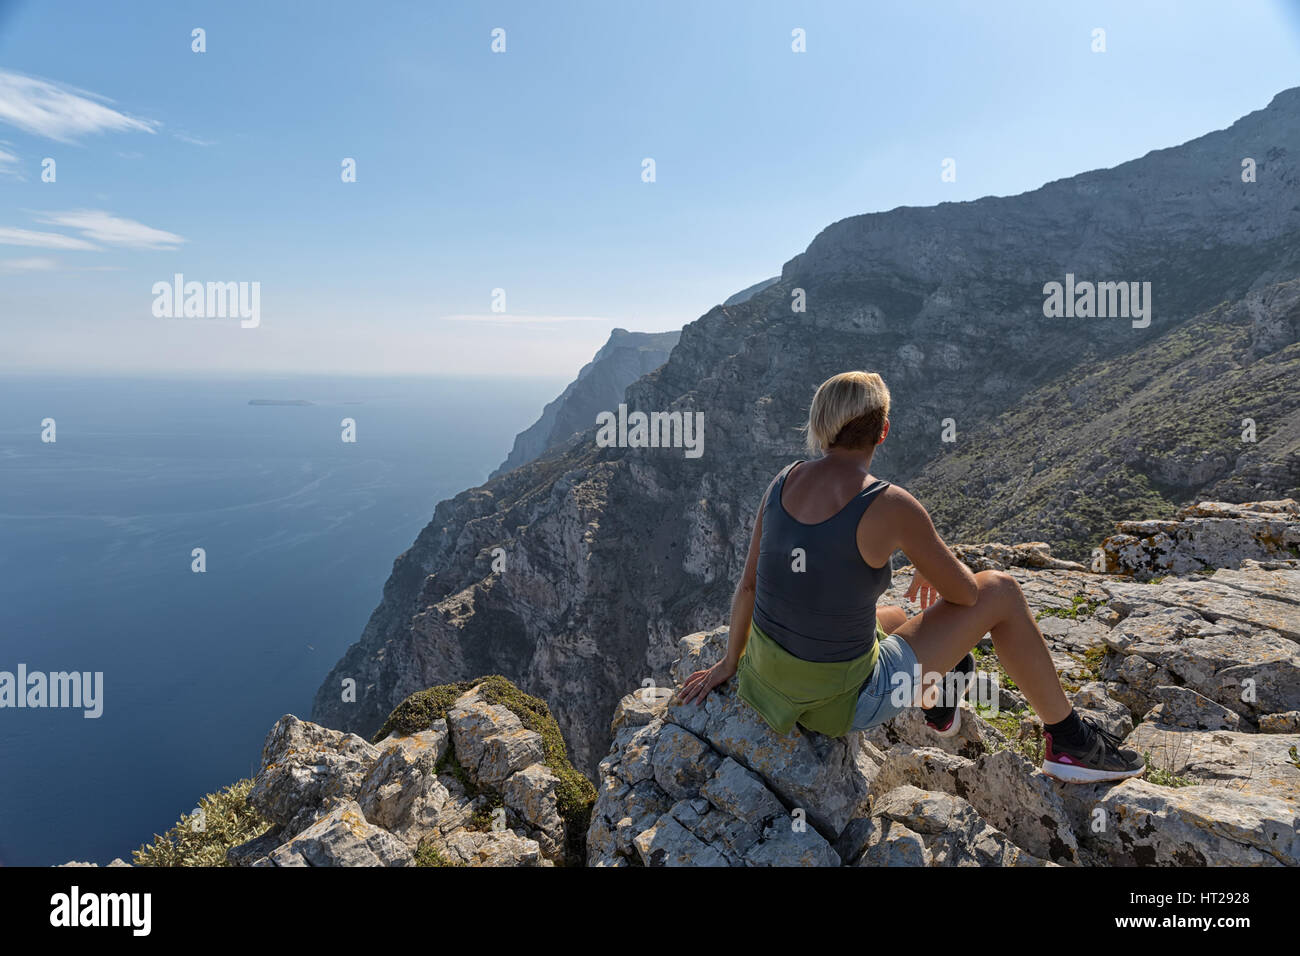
pixel 742 610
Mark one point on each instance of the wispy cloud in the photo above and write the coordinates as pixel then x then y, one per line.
pixel 34 264
pixel 520 319
pixel 41 240
pixel 60 113
pixel 9 162
pixel 112 230
pixel 194 140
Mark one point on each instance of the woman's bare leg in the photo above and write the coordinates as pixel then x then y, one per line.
pixel 943 634
pixel 891 618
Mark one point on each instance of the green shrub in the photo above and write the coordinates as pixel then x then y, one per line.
pixel 427 855
pixel 222 820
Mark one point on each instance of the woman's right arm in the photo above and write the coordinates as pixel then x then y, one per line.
pixel 934 561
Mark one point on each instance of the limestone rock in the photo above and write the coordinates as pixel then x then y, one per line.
pixel 492 848
pixel 912 827
pixel 1091 699
pixel 342 837
pixel 1206 535
pixel 1183 707
pixel 304 766
pixel 1244 763
pixel 1138 823
pixel 1287 723
pixel 336 800
pixel 402 791
pixel 491 742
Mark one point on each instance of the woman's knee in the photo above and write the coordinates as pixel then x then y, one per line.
pixel 891 618
pixel 996 586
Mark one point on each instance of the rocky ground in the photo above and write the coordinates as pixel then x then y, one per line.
pixel 1198 671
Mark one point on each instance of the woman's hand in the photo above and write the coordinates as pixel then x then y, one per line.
pixel 699 684
pixel 921 590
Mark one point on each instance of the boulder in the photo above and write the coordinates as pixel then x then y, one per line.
pixel 304 767
pixel 342 837
pixel 1138 823
pixel 913 827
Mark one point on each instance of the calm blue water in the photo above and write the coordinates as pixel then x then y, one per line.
pixel 300 531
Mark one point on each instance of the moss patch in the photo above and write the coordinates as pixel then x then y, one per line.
pixel 222 820
pixel 1079 607
pixel 575 793
pixel 1010 726
pixel 1093 658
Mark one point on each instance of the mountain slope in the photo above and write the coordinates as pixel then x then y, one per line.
pixel 610 553
pixel 599 387
pixel 1126 438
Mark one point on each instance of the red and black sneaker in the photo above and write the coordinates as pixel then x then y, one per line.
pixel 945 720
pixel 1098 758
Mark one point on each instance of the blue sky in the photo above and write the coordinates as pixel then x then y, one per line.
pixel 522 170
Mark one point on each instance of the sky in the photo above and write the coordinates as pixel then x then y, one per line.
pixel 523 170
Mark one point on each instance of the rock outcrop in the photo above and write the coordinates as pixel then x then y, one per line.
pixel 608 555
pixel 456 778
pixel 1200 673
pixel 1204 536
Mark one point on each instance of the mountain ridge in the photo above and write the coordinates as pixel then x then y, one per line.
pixel 611 553
pixel 598 386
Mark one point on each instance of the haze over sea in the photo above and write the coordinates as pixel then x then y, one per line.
pixel 300 531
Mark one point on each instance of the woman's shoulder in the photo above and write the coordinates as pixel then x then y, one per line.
pixel 898 500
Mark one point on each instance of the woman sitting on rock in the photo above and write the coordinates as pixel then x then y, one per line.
pixel 811 647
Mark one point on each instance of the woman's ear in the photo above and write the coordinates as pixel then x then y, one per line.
pixel 883 432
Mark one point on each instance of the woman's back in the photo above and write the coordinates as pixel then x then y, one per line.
pixel 815 593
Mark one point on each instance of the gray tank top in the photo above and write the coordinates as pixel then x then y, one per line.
pixel 815 595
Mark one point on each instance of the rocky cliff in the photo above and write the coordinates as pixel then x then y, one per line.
pixel 575 574
pixel 599 387
pixel 1184 641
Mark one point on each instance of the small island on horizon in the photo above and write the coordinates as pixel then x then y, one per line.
pixel 279 401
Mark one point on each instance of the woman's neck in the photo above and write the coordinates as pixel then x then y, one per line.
pixel 858 459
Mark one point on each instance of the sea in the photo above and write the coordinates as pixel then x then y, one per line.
pixel 212 559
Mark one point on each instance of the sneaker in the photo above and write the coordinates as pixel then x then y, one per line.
pixel 946 721
pixel 1099 758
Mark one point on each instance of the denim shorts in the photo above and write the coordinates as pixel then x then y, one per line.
pixel 884 696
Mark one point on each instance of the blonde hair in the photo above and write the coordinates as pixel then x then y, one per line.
pixel 848 411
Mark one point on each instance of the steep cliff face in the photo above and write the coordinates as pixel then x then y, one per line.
pixel 611 553
pixel 599 387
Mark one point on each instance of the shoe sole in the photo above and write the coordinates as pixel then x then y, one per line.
pixel 953 728
pixel 1071 773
